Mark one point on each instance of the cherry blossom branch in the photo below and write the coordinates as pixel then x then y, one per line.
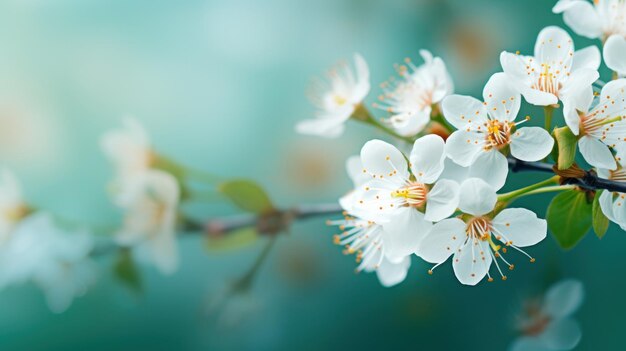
pixel 587 180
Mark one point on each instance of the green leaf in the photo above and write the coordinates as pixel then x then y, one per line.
pixel 569 217
pixel 600 222
pixel 235 239
pixel 566 143
pixel 247 195
pixel 126 271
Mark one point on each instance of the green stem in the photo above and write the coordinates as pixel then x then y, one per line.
pixel 362 114
pixel 548 110
pixel 510 196
pixel 247 279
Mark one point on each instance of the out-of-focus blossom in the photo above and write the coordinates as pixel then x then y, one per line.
pixel 12 205
pixel 614 52
pixel 485 128
pixel 150 203
pixel 411 99
pixel 128 149
pixel 603 127
pixel 555 72
pixel 479 239
pixel 597 19
pixel 337 99
pixel 548 325
pixel 53 258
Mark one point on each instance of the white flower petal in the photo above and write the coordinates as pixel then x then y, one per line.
pixel 403 233
pixel 329 127
pixel 477 197
pixel 564 298
pixel 596 153
pixel 390 274
pixel 464 111
pixel 492 167
pixel 471 263
pixel 614 52
pixel 528 343
pixel 520 226
pixel 362 87
pixel 464 147
pixel 411 122
pixel 554 46
pixel 382 159
pixel 606 205
pixel 442 200
pixel 531 144
pixel 454 171
pixel 354 167
pixel 581 17
pixel 588 57
pixel 427 158
pixel 502 100
pixel 514 66
pixel 442 240
pixel 561 334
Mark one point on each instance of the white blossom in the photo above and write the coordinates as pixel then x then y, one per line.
pixel 549 326
pixel 478 238
pixel 603 127
pixel 368 239
pixel 410 100
pixel 614 52
pixel 337 99
pixel 595 19
pixel 555 72
pixel 150 204
pixel 12 205
pixel 486 128
pixel 53 258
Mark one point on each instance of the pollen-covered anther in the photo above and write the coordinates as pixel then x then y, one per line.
pixel 414 194
pixel 498 134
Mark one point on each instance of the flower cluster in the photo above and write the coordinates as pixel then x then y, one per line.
pixel 440 199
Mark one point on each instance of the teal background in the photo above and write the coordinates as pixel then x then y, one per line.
pixel 220 85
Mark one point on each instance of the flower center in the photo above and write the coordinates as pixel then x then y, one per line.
pixel 548 80
pixel 595 125
pixel 498 134
pixel 15 214
pixel 479 228
pixel 339 100
pixel 414 194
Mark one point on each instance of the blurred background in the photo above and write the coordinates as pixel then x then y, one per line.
pixel 219 85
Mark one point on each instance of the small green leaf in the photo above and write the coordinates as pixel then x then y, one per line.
pixel 566 143
pixel 600 222
pixel 569 217
pixel 126 271
pixel 247 195
pixel 233 240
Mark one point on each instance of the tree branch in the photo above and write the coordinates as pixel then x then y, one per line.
pixel 588 181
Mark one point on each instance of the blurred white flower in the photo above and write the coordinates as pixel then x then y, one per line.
pixel 614 52
pixel 484 129
pixel 128 149
pixel 597 19
pixel 548 326
pixel 555 72
pixel 613 203
pixel 471 240
pixel 54 259
pixel 337 99
pixel 150 202
pixel 12 205
pixel 602 127
pixel 368 239
pixel 411 99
